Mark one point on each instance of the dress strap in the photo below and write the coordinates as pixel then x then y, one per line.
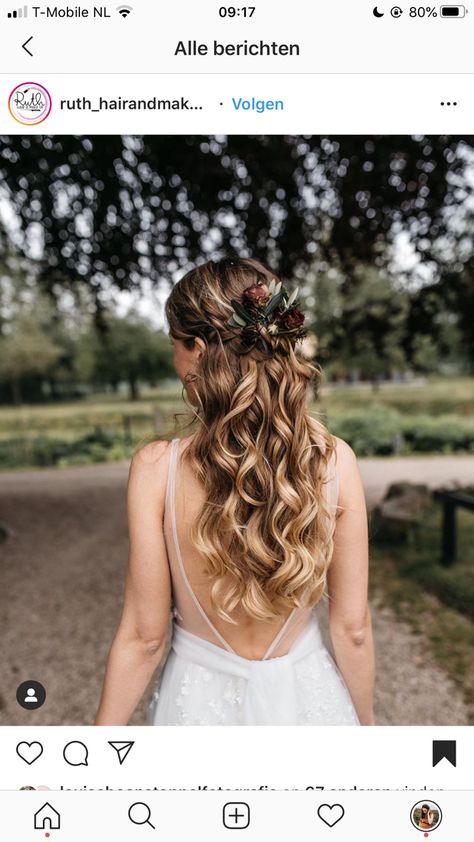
pixel 335 480
pixel 280 634
pixel 171 471
pixel 172 501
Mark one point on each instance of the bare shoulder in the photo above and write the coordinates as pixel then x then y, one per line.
pixel 351 492
pixel 344 453
pixel 149 469
pixel 152 453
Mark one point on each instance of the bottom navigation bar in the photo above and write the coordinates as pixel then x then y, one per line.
pixel 391 816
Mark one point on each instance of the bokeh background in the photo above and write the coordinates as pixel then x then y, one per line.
pixel 378 232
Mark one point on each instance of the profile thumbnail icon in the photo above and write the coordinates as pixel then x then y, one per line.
pixel 426 816
pixel 29 103
pixel 31 695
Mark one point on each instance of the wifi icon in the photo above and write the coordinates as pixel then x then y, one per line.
pixel 124 10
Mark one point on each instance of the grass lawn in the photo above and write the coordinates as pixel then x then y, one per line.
pixel 420 561
pixel 435 397
pixel 81 416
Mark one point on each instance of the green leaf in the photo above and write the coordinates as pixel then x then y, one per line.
pixel 240 322
pixel 278 287
pixel 293 296
pixel 241 311
pixel 271 286
pixel 274 302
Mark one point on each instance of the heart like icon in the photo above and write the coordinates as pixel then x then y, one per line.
pixel 331 814
pixel 29 752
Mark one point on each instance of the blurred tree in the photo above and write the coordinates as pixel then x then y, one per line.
pixel 129 351
pixel 457 294
pixel 425 353
pixel 28 350
pixel 104 213
pixel 117 209
pixel 367 335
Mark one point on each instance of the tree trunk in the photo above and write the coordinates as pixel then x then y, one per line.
pixel 133 388
pixel 52 387
pixel 16 391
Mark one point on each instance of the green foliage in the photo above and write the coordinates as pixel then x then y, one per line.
pixel 46 354
pixel 394 422
pixel 433 396
pixel 29 343
pixel 443 434
pixel 27 351
pixel 426 353
pixel 421 560
pixel 42 452
pixel 378 430
pixel 136 209
pixel 147 203
pixel 369 331
pixel 129 350
pixel 370 432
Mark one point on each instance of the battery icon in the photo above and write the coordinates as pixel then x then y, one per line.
pixel 453 11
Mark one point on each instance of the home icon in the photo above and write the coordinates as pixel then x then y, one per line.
pixel 47 818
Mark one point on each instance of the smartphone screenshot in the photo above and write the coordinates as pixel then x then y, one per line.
pixel 236 421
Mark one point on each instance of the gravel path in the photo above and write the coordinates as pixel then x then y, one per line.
pixel 61 577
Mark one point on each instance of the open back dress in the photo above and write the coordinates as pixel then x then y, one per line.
pixel 205 682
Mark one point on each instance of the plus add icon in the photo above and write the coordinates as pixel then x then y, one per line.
pixel 236 815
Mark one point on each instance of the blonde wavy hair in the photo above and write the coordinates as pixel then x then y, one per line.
pixel 265 528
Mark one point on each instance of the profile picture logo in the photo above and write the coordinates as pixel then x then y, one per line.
pixel 426 816
pixel 29 103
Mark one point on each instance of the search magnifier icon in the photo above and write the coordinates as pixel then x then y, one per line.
pixel 140 813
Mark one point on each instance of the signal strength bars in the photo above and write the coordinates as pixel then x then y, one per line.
pixel 22 12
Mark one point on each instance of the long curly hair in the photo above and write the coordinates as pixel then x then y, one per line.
pixel 266 528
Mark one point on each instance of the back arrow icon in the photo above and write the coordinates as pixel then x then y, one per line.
pixel 25 48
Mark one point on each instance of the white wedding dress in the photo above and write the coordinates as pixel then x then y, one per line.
pixel 204 682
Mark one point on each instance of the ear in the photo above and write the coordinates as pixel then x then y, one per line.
pixel 199 346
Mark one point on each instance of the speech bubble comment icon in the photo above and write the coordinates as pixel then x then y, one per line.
pixel 76 754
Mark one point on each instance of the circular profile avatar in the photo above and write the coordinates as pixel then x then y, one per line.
pixel 29 103
pixel 426 816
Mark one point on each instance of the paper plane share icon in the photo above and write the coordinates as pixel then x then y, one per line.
pixel 122 750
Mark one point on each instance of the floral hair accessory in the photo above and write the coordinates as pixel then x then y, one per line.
pixel 265 312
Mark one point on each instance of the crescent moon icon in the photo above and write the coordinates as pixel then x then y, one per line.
pixel 377 13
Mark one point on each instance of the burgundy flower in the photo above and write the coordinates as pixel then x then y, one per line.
pixel 257 294
pixel 292 319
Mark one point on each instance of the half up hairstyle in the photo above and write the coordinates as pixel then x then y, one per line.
pixel 266 528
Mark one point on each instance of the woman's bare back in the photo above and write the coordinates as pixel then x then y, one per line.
pixel 250 638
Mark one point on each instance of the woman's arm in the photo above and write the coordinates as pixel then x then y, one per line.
pixel 349 616
pixel 141 637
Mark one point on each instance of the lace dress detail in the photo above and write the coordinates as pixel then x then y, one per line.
pixel 204 682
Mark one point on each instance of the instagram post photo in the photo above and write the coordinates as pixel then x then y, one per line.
pixel 237 431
